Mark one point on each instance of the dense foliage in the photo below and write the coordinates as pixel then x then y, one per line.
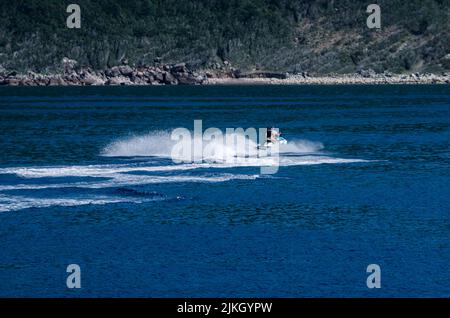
pixel 319 36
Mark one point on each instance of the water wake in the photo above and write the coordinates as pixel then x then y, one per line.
pixel 35 187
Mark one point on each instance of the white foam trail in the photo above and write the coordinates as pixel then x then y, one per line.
pixel 89 170
pixel 118 177
pixel 14 203
pixel 301 146
pixel 111 171
pixel 122 180
pixel 316 160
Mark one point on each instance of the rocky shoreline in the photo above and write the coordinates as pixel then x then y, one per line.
pixel 174 74
pixel 345 79
pixel 180 74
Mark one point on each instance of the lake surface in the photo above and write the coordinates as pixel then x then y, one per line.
pixel 86 178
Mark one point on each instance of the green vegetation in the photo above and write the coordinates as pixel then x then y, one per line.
pixel 318 36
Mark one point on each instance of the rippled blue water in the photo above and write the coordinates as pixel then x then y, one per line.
pixel 84 179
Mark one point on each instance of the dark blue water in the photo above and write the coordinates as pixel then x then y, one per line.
pixel 85 179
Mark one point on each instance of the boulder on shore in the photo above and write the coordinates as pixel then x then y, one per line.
pixel 126 70
pixel 68 64
pixel 119 80
pixel 169 79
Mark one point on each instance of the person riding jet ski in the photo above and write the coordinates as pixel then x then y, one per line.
pixel 273 137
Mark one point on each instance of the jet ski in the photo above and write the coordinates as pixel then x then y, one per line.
pixel 273 138
pixel 269 144
pixel 281 141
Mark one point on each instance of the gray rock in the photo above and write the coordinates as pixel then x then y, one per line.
pixel 57 81
pixel 148 73
pixel 32 75
pixel 93 79
pixel 179 68
pixel 187 79
pixel 113 72
pixel 41 81
pixel 126 70
pixel 12 82
pixel 159 77
pixel 169 79
pixel 27 81
pixel 88 80
pixel 68 64
pixel 120 80
pixel 367 73
pixel 72 78
pixel 138 80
